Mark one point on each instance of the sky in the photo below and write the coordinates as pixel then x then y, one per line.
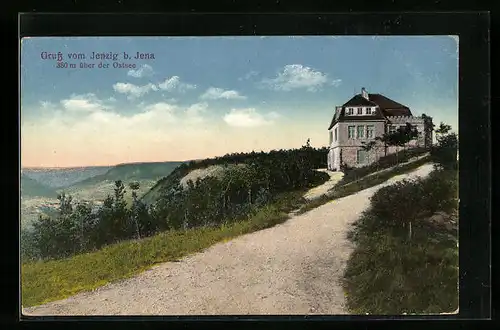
pixel 198 97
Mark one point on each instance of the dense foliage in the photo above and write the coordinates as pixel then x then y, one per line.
pixel 249 182
pixel 404 262
pixel 445 152
pixel 393 159
pixel 283 166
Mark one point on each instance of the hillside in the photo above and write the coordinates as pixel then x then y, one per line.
pixel 131 172
pixel 83 183
pixel 248 271
pixel 33 188
pixel 63 177
pixel 276 159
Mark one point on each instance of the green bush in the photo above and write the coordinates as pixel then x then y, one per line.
pixel 445 153
pixel 391 272
pixel 385 275
pixel 208 202
pixel 397 205
pixel 403 156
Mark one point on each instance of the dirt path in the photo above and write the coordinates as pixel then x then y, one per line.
pixel 320 190
pixel 292 268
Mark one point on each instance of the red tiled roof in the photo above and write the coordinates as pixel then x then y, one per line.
pixel 385 102
pixel 358 100
pixel 387 108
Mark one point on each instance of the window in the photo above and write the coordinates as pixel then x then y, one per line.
pixel 331 137
pixel 369 131
pixel 392 129
pixel 368 111
pixel 360 111
pixel 361 156
pixel 360 132
pixel 350 111
pixel 350 132
pixel 335 133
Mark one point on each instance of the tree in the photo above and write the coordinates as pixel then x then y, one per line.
pixel 408 133
pixel 428 129
pixel 44 237
pixel 65 204
pixel 122 228
pixel 442 131
pixel 54 237
pixel 445 153
pixel 85 220
pixel 105 232
pixel 399 138
pixel 67 233
pixel 134 186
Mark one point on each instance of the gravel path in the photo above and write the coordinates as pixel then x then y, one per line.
pixel 292 268
pixel 325 187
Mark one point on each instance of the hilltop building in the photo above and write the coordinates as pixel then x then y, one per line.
pixel 363 118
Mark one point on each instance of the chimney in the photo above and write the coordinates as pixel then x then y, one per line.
pixel 364 93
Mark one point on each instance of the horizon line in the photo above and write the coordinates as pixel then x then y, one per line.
pixel 110 165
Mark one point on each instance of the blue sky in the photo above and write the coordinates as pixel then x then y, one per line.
pixel 202 97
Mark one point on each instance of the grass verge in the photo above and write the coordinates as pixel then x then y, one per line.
pixel 385 162
pixel 47 281
pixel 343 190
pixel 391 272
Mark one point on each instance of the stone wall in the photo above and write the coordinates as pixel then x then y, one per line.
pixel 349 147
pixel 349 155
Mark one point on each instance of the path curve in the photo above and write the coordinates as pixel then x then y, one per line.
pixel 292 268
pixel 316 192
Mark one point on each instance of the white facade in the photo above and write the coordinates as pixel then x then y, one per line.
pixel 344 146
pixel 359 122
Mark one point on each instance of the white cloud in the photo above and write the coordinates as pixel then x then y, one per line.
pixel 297 76
pixel 144 71
pixel 218 93
pixel 174 84
pixel 83 103
pixel 194 113
pixel 169 85
pixel 134 91
pixel 80 121
pixel 249 117
pixel 158 111
pixel 336 82
pixel 249 75
pixel 46 104
pixel 86 114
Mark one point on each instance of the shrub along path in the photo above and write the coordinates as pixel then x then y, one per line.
pixel 292 268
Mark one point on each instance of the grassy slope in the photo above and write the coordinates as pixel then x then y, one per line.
pixel 98 187
pixel 133 171
pixel 342 190
pixel 391 274
pixel 53 280
pixel 167 182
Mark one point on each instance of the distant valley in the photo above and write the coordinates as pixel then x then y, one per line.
pixel 33 188
pixel 63 177
pixel 40 186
